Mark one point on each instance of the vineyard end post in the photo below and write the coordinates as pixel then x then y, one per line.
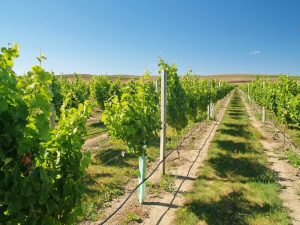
pixel 163 121
pixel 263 108
pixel 209 103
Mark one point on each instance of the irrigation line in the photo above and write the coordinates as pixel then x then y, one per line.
pixel 105 153
pixel 121 154
pixel 292 143
pixel 153 171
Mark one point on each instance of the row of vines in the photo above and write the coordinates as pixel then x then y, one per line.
pixel 282 97
pixel 42 124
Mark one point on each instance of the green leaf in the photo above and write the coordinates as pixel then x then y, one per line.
pixel 3 105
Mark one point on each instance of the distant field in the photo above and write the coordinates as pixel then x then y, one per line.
pixel 231 78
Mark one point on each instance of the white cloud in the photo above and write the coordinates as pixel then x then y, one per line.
pixel 255 52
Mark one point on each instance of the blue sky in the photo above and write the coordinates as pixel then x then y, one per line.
pixel 127 37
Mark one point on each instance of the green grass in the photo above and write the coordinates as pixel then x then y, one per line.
pixel 294 132
pixel 131 217
pixel 165 184
pixel 106 182
pixel 293 158
pixel 93 129
pixel 235 185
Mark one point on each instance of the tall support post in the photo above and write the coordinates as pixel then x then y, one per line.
pixel 218 101
pixel 263 108
pixel 163 121
pixel 208 111
pixel 209 103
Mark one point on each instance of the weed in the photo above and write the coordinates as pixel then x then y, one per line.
pixel 293 158
pixel 167 183
pixel 131 217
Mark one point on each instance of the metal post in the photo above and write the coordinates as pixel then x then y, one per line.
pixel 163 121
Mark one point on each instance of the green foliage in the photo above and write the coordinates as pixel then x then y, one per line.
pixel 199 93
pixel 115 88
pixel 134 118
pixel 41 58
pixel 293 158
pixel 74 92
pixel 294 108
pixel 41 170
pixel 176 104
pixel 131 217
pixel 188 98
pixel 102 89
pixel 281 96
pixel 167 183
pixel 58 97
pixel 196 96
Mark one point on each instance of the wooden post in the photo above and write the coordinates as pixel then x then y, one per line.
pixel 209 103
pixel 263 108
pixel 142 175
pixel 163 121
pixel 208 111
pixel 218 101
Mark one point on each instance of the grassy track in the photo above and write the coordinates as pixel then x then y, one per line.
pixel 235 185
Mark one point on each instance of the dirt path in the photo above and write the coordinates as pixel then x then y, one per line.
pixel 159 206
pixel 290 191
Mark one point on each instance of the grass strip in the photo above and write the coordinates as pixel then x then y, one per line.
pixel 235 184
